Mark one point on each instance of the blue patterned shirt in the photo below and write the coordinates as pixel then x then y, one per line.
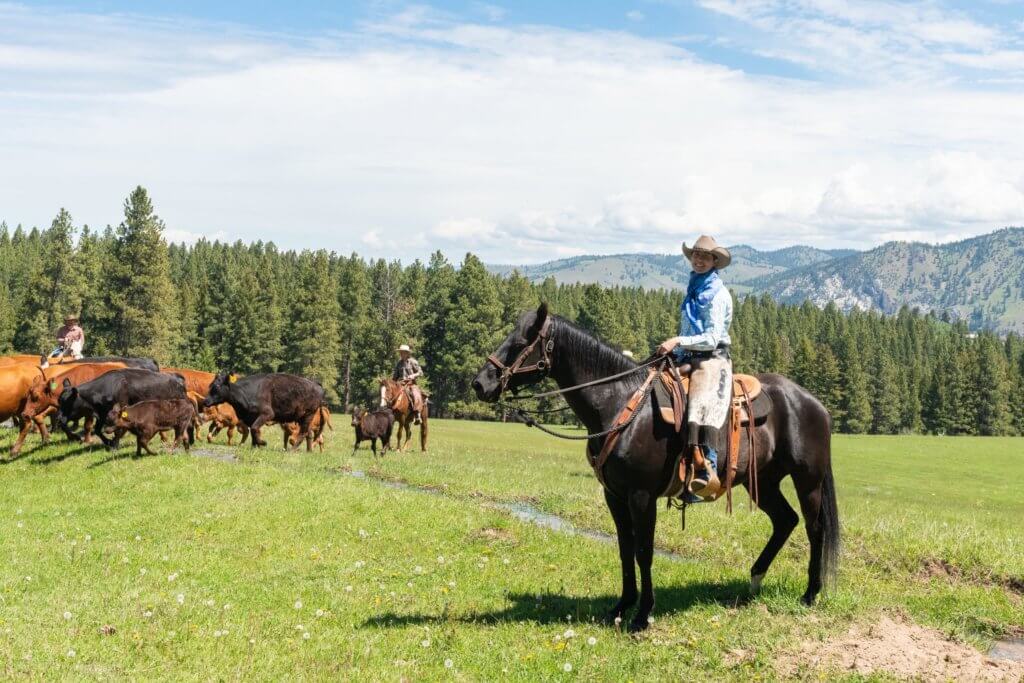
pixel 717 318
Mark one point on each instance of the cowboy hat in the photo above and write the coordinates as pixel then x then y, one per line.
pixel 708 244
pixel 404 347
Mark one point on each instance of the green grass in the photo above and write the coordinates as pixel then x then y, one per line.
pixel 199 564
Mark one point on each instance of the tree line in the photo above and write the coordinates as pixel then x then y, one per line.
pixel 255 308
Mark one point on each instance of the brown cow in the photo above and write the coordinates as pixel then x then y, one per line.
pixel 316 430
pixel 44 392
pixel 19 359
pixel 196 381
pixel 145 418
pixel 223 416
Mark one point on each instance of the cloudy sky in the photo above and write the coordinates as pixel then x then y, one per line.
pixel 522 131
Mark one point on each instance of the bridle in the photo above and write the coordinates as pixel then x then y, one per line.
pixel 518 366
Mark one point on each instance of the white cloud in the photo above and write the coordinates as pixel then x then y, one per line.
pixel 518 143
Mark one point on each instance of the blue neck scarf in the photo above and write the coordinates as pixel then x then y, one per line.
pixel 699 293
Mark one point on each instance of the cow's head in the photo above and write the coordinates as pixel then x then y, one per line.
pixel 118 416
pixel 220 389
pixel 42 394
pixel 67 403
pixel 357 414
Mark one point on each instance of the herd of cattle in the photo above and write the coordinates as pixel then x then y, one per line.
pixel 112 396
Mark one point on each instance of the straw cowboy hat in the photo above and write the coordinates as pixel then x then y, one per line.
pixel 404 347
pixel 708 244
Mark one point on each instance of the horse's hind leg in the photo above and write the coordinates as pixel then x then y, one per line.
pixel 784 520
pixel 643 511
pixel 810 495
pixel 624 533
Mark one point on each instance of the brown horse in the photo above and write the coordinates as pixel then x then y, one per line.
pixel 398 400
pixel 795 441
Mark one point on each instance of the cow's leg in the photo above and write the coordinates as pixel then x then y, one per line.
pixel 624 534
pixel 90 426
pixel 244 432
pixel 26 427
pixel 147 436
pixel 254 430
pixel 373 444
pixel 644 511
pixel 303 432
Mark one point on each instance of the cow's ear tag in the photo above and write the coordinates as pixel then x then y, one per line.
pixel 232 378
pixel 124 414
pixel 53 385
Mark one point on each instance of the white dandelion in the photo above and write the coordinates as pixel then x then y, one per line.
pixel 147 614
pixel 319 612
pixel 448 663
pixel 298 604
pixel 567 667
pixel 425 642
pixel 569 633
pixel 67 615
pixel 348 589
pixel 591 641
pixel 71 653
pixel 181 598
pixel 172 577
pixel 305 635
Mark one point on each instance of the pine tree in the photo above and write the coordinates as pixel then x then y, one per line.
pixel 885 406
pixel 805 366
pixel 313 339
pixel 436 313
pixel 52 291
pixel 140 292
pixel 992 388
pixel 7 323
pixel 353 300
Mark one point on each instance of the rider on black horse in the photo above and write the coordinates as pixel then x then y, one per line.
pixel 703 343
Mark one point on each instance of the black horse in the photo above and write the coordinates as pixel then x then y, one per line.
pixel 795 440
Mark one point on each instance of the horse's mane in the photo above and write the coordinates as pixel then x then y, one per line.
pixel 585 349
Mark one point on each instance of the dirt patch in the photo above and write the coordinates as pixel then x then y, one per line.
pixel 937 568
pixel 491 534
pixel 900 648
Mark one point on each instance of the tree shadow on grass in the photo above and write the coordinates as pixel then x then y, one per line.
pixel 550 608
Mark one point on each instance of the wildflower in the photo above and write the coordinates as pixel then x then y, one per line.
pixel 569 633
pixel 319 612
pixel 362 533
pixel 217 634
pixel 252 641
pixel 172 577
pixel 440 559
pixel 147 614
pixel 138 538
pixel 348 589
pixel 305 635
pixel 71 653
pixel 618 621
pixel 448 663
pixel 227 606
pixel 21 525
pixel 409 584
pixel 591 641
pixel 142 571
pixel 300 627
pixel 67 615
pixel 88 537
pixel 479 565
pixel 181 598
pixel 425 642
pixel 650 620
pixel 567 667
pixel 360 564
pixel 28 578
pixel 73 543
pixel 298 604
pixel 451 584
pixel 505 561
pixel 417 570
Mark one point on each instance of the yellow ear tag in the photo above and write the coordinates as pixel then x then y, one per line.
pixel 124 414
pixel 232 378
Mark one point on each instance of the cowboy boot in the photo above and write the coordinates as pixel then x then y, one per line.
pixel 705 483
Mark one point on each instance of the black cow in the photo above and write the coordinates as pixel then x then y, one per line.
pixel 372 426
pixel 127 387
pixel 277 397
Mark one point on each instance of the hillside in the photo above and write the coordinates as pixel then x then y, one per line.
pixel 654 271
pixel 980 280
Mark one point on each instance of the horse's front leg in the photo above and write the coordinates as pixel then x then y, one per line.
pixel 624 531
pixel 644 513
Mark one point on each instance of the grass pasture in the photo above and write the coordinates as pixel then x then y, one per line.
pixel 235 564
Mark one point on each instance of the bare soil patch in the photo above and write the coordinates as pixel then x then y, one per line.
pixel 938 568
pixel 900 648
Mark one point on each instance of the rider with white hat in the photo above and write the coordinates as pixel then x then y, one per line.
pixel 406 372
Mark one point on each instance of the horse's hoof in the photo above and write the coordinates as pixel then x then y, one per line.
pixel 638 624
pixel 755 583
pixel 809 598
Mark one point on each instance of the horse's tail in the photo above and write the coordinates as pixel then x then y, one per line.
pixel 424 430
pixel 829 516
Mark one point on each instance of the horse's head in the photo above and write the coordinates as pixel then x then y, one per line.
pixel 391 388
pixel 524 358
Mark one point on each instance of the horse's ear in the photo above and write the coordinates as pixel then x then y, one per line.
pixel 542 316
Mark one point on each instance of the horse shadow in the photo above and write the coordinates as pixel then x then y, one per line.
pixel 551 608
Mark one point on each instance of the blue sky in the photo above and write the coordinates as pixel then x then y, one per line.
pixel 522 131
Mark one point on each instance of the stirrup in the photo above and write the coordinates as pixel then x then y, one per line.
pixel 706 485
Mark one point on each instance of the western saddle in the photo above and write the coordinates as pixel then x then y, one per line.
pixel 670 386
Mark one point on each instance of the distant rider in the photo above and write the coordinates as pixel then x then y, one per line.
pixel 406 372
pixel 703 342
pixel 70 339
